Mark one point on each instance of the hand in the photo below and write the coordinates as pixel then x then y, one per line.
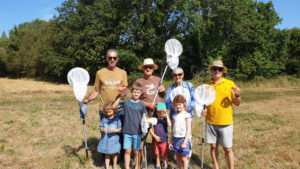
pixel 170 146
pixel 161 89
pixel 204 112
pixel 183 145
pixel 85 101
pixel 236 91
pixel 151 105
pixel 157 139
pixel 122 89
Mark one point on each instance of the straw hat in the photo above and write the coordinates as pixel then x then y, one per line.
pixel 148 62
pixel 218 63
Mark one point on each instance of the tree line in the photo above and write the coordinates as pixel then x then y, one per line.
pixel 240 32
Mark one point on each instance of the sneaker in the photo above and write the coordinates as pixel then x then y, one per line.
pixel 157 167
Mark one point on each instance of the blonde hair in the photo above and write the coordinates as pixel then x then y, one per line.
pixel 108 106
pixel 180 99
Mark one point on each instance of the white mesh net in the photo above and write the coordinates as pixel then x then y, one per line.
pixel 204 95
pixel 79 79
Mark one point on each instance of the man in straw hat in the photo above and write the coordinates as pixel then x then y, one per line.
pixel 219 121
pixel 150 85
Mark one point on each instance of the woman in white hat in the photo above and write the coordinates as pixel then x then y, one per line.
pixel 219 120
pixel 150 85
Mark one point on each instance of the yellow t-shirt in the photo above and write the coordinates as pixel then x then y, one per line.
pixel 107 81
pixel 220 111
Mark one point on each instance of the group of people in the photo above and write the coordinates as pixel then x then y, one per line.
pixel 120 120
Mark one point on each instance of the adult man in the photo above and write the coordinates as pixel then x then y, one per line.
pixel 106 84
pixel 150 85
pixel 219 121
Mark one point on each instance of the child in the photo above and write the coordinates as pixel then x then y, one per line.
pixel 160 135
pixel 110 127
pixel 181 132
pixel 133 113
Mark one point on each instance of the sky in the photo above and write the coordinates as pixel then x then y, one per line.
pixel 15 12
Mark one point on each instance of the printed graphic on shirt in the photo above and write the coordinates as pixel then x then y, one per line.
pixel 112 83
pixel 150 89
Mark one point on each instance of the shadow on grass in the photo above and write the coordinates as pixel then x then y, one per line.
pixel 196 160
pixel 92 148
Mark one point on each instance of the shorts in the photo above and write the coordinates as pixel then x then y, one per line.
pixel 132 141
pixel 219 134
pixel 177 142
pixel 162 148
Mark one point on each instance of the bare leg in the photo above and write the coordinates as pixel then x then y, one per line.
pixel 115 159
pixel 229 157
pixel 127 158
pixel 136 158
pixel 178 160
pixel 165 161
pixel 214 155
pixel 107 160
pixel 185 161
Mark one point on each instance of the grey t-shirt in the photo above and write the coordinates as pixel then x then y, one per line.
pixel 133 113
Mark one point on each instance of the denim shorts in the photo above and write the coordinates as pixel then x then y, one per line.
pixel 132 141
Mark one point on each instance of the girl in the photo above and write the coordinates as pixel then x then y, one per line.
pixel 180 142
pixel 110 127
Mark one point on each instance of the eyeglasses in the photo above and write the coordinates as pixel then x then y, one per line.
pixel 179 75
pixel 220 69
pixel 148 67
pixel 112 58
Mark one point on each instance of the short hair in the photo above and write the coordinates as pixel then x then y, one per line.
pixel 180 99
pixel 108 106
pixel 136 86
pixel 178 69
pixel 112 50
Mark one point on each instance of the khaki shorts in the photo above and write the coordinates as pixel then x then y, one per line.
pixel 219 134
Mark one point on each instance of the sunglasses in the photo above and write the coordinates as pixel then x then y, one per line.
pixel 112 58
pixel 220 69
pixel 148 67
pixel 179 75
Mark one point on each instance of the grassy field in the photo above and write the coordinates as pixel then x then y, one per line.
pixel 41 128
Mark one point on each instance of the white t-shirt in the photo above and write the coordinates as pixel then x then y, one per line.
pixel 179 128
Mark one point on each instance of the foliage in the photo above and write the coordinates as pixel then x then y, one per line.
pixel 241 33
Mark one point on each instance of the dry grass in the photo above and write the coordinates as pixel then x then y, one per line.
pixel 40 128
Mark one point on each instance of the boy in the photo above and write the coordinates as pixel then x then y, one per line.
pixel 160 135
pixel 133 113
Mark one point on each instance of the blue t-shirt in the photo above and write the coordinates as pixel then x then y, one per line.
pixel 133 113
pixel 161 129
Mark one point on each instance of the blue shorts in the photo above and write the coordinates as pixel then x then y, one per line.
pixel 132 141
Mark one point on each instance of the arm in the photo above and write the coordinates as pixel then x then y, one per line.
pixel 188 132
pixel 170 145
pixel 168 99
pixel 92 96
pixel 156 137
pixel 119 126
pixel 236 97
pixel 150 105
pixel 169 123
pixel 161 91
pixel 191 105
